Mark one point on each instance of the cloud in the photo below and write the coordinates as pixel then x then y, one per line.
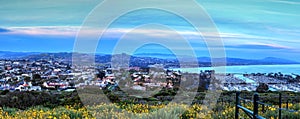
pixel 278 13
pixel 283 31
pixel 259 46
pixel 45 12
pixel 44 30
pixel 72 30
pixel 287 2
pixel 4 30
pixel 231 40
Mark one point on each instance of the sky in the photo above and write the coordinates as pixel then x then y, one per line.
pixel 251 29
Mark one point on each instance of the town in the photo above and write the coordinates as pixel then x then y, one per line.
pixel 58 74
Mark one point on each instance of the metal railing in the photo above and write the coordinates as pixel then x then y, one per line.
pixel 254 114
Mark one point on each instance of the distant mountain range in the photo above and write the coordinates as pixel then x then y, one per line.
pixel 15 55
pixel 267 60
pixel 229 61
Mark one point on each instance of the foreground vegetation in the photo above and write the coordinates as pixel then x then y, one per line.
pixel 68 105
pixel 138 111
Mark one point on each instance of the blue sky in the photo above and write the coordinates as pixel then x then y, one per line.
pixel 249 29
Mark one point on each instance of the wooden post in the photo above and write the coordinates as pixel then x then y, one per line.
pixel 255 108
pixel 222 101
pixel 263 108
pixel 287 104
pixel 237 102
pixel 279 106
pixel 287 107
pixel 244 101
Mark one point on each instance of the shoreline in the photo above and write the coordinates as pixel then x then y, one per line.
pixel 246 69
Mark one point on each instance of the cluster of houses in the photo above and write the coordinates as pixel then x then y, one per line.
pixel 29 75
pixel 59 74
pixel 138 78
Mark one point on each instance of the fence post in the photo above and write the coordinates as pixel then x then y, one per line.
pixel 244 101
pixel 222 101
pixel 237 102
pixel 279 106
pixel 255 103
pixel 287 104
pixel 263 108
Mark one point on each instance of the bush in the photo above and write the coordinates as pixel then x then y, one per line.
pixel 23 100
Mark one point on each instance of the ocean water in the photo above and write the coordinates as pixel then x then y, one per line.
pixel 285 69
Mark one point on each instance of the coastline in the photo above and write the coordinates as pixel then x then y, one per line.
pixel 283 68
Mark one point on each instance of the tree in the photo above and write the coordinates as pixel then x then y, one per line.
pixel 36 79
pixel 27 79
pixel 262 88
pixel 36 76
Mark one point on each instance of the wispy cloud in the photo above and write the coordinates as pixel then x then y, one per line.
pixel 278 13
pixel 2 30
pixel 270 45
pixel 284 31
pixel 259 46
pixel 44 30
pixel 236 39
pixel 287 2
